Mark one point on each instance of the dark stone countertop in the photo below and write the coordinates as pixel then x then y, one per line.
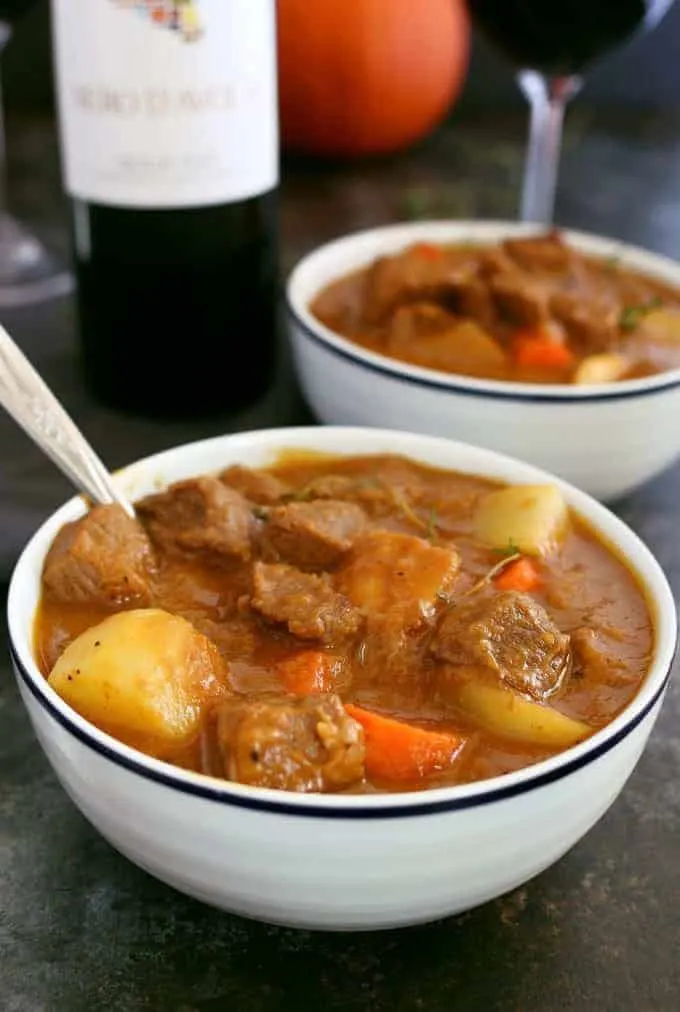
pixel 82 929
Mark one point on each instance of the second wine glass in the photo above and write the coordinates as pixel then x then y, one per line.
pixel 550 45
pixel 28 272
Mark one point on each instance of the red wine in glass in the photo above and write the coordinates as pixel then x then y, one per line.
pixel 551 44
pixel 12 10
pixel 28 272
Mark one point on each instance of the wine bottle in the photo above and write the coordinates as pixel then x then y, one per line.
pixel 169 143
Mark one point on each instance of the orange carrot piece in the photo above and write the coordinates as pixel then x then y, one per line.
pixel 429 251
pixel 540 351
pixel 399 751
pixel 522 574
pixel 309 672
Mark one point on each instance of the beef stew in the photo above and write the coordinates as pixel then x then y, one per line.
pixel 531 310
pixel 357 624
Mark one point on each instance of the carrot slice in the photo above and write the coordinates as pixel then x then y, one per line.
pixel 428 251
pixel 522 574
pixel 309 672
pixel 399 751
pixel 541 351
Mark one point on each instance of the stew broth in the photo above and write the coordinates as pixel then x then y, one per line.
pixel 391 648
pixel 526 310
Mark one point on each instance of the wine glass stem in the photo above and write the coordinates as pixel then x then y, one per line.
pixel 548 98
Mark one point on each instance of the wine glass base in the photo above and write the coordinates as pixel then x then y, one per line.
pixel 28 272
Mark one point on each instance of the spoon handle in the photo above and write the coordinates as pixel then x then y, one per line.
pixel 30 402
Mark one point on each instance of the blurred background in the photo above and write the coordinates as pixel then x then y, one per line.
pixel 645 72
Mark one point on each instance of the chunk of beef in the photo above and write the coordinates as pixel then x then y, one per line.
pixel 493 261
pixel 258 486
pixel 290 744
pixel 471 298
pixel 392 281
pixel 104 558
pixel 592 324
pixel 519 300
pixel 509 633
pixel 397 578
pixel 594 659
pixel 312 534
pixel 306 603
pixel 200 516
pixel 542 254
pixel 236 637
pixel 414 322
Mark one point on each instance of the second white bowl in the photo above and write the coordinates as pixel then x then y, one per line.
pixel 606 439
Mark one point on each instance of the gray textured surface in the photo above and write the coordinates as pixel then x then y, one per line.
pixel 81 929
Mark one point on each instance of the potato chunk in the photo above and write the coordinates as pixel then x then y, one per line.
pixel 530 518
pixel 397 575
pixel 661 325
pixel 605 368
pixel 144 676
pixel 503 712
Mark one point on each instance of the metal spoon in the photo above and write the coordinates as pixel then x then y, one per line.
pixel 31 403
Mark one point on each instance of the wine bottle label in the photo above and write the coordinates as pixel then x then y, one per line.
pixel 167 103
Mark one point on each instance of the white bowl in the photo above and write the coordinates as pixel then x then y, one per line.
pixel 324 861
pixel 606 439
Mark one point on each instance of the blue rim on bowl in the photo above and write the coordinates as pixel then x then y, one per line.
pixel 225 795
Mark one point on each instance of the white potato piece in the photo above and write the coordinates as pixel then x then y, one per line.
pixel 144 676
pixel 503 712
pixel 529 518
pixel 397 576
pixel 661 325
pixel 605 368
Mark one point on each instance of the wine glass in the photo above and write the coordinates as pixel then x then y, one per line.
pixel 28 273
pixel 550 43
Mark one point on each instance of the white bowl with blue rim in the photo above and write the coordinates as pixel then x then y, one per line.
pixel 606 439
pixel 343 862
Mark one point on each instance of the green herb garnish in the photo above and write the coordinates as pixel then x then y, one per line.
pixel 632 315
pixel 612 262
pixel 432 524
pixel 510 549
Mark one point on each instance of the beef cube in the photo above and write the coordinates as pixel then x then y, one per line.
pixel 519 300
pixel 474 301
pixel 510 634
pixel 312 535
pixel 494 261
pixel 594 659
pixel 104 559
pixel 236 638
pixel 200 516
pixel 541 254
pixel 258 486
pixel 304 744
pixel 397 578
pixel 416 321
pixel 592 325
pixel 307 604
pixel 392 281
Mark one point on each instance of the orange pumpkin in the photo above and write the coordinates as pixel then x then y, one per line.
pixel 365 77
